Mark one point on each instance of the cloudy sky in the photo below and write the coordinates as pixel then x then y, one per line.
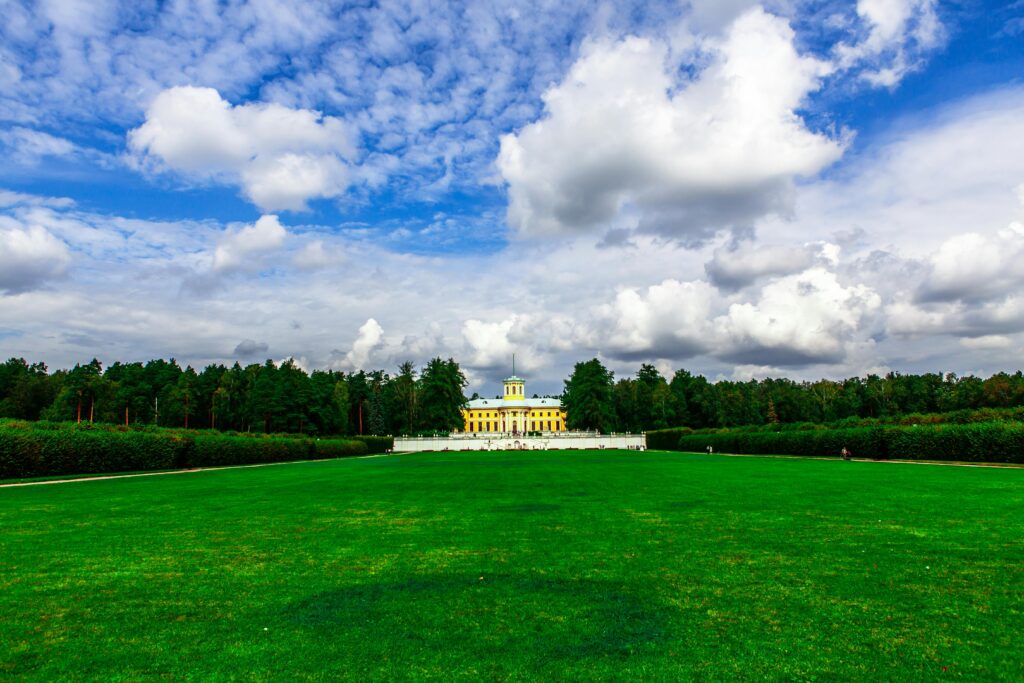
pixel 743 189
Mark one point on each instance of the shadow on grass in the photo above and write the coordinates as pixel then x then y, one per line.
pixel 686 504
pixel 539 619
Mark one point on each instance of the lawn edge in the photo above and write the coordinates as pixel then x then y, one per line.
pixel 943 463
pixel 191 470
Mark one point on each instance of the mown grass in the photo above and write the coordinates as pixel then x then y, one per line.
pixel 556 565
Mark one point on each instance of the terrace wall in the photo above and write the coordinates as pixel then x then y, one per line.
pixel 501 442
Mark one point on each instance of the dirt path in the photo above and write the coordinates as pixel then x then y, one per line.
pixel 188 471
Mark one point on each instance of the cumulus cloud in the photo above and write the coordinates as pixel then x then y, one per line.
pixel 244 248
pixel 29 256
pixel 247 348
pixel 488 343
pixel 975 266
pixel 903 198
pixel 738 265
pixel 668 320
pixel 801 319
pixel 623 142
pixel 488 346
pixel 915 320
pixel 369 341
pixel 797 320
pixel 280 157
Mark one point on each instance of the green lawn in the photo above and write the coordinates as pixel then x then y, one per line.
pixel 556 565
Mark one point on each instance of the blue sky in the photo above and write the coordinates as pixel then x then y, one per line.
pixel 744 189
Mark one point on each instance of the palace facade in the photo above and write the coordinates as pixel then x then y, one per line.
pixel 514 413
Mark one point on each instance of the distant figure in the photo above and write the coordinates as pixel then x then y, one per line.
pixel 845 453
pixel 710 450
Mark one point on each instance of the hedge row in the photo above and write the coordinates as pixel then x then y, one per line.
pixel 978 442
pixel 45 452
pixel 377 444
pixel 666 438
pixel 241 450
pixel 374 444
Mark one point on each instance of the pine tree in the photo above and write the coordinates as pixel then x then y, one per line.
pixel 440 396
pixel 588 398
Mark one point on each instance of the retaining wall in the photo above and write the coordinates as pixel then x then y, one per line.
pixel 503 442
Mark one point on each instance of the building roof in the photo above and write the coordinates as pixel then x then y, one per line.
pixel 513 378
pixel 497 403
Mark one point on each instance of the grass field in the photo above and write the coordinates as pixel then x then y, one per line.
pixel 558 565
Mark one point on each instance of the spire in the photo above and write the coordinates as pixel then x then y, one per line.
pixel 513 365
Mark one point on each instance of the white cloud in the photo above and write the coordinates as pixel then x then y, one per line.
pixel 281 157
pixel 799 319
pixel 736 266
pixel 901 199
pixel 27 146
pixel 898 32
pixel 987 343
pixel 667 320
pixel 623 142
pixel 746 373
pixel 29 256
pixel 715 15
pixel 977 266
pixel 488 343
pixel 9 198
pixel 369 341
pixel 243 248
pixel 905 319
pixel 314 256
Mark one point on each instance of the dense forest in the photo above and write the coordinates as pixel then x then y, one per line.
pixel 648 400
pixel 284 398
pixel 255 398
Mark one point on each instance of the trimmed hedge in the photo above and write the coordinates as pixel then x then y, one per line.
pixel 48 449
pixel 666 439
pixel 243 450
pixel 377 444
pixel 340 448
pixel 971 442
pixel 46 452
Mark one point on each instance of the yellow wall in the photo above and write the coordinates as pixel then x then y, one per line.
pixel 477 419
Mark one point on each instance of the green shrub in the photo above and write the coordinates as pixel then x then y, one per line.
pixel 219 450
pixel 52 448
pixel 378 444
pixel 666 439
pixel 340 448
pixel 1001 441
pixel 80 450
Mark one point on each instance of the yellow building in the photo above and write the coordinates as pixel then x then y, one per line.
pixel 514 413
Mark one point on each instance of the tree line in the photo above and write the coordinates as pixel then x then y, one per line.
pixel 256 398
pixel 272 397
pixel 648 400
